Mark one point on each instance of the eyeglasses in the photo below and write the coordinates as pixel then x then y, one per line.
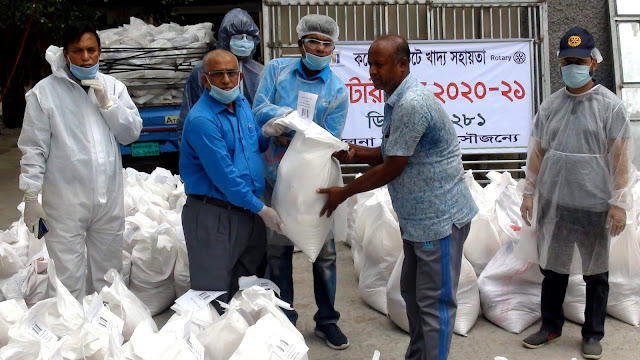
pixel 242 37
pixel 316 44
pixel 219 74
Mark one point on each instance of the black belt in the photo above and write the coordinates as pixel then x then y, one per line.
pixel 217 202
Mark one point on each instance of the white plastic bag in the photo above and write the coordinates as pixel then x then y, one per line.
pixel 575 299
pixel 396 306
pixel 221 339
pixel 510 290
pixel 11 311
pixel 29 283
pixel 468 297
pixel 381 247
pixel 305 167
pixel 182 278
pixel 269 339
pixel 483 242
pixel 624 284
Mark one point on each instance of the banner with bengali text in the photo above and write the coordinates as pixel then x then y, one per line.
pixel 486 87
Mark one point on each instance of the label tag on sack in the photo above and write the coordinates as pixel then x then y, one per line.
pixel 160 229
pixel 195 300
pixel 245 282
pixel 286 346
pixel 307 105
pixel 102 318
pixel 40 331
pixel 18 279
pixel 128 233
pixel 196 348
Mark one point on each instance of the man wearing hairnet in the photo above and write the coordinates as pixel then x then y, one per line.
pixel 579 175
pixel 73 124
pixel 277 96
pixel 240 35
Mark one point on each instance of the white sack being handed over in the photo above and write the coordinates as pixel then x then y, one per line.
pixel 11 311
pixel 305 167
pixel 152 263
pixel 125 305
pixel 510 290
pixel 381 247
pixel 624 283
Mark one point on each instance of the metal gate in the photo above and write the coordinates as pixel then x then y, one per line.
pixel 365 20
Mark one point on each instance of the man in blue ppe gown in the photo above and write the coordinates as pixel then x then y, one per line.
pixel 277 96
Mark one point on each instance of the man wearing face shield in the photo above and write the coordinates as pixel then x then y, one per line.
pixel 224 219
pixel 579 176
pixel 277 96
pixel 74 121
pixel 239 34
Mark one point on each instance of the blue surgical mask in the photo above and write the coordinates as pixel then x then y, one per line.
pixel 315 62
pixel 224 96
pixel 83 73
pixel 242 47
pixel 576 76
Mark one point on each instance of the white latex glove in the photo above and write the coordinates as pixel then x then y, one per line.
pixel 271 219
pixel 272 129
pixel 100 91
pixel 33 211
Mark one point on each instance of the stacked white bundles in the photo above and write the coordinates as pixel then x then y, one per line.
pixel 396 306
pixel 153 260
pixel 45 326
pixel 143 54
pixel 510 290
pixel 125 305
pixel 308 165
pixel 272 335
pixel 575 299
pixel 486 236
pixel 468 297
pixel 381 248
pixel 173 341
pixel 11 311
pixel 624 267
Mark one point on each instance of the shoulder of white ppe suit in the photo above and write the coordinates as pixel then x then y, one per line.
pixel 599 93
pixel 55 57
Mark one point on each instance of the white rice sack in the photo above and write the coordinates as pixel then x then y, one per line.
pixel 181 275
pixel 269 339
pixel 306 166
pixel 381 248
pixel 136 228
pixel 29 283
pixel 146 344
pixel 201 319
pixel 575 299
pixel 396 306
pixel 152 263
pixel 349 206
pixel 468 297
pixel 359 227
pixel 624 284
pixel 126 268
pixel 11 312
pixel 125 305
pixel 221 339
pixel 483 242
pixel 510 290
pixel 10 262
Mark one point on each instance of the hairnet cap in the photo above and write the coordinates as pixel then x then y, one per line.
pixel 576 42
pixel 237 21
pixel 319 25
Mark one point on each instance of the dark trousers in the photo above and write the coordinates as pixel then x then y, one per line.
pixel 222 244
pixel 554 287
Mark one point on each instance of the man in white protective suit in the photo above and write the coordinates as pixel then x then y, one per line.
pixel 579 175
pixel 74 121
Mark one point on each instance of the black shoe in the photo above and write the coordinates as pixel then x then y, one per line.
pixel 333 336
pixel 591 348
pixel 539 338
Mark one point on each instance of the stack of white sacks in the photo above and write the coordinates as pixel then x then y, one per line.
pixel 41 320
pixel 500 277
pixel 143 54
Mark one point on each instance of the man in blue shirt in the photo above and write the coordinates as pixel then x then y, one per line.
pixel 221 168
pixel 420 159
pixel 277 95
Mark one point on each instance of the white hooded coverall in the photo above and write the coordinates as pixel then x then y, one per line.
pixel 71 152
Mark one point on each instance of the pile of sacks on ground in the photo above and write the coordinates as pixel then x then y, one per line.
pixel 40 319
pixel 142 54
pixel 500 277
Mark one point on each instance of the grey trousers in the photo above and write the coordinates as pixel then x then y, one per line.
pixel 222 245
pixel 428 284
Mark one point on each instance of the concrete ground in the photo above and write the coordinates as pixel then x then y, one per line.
pixel 367 329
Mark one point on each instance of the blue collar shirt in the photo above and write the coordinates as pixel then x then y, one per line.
pixel 220 153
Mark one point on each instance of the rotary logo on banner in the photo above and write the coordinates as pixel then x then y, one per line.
pixel 486 87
